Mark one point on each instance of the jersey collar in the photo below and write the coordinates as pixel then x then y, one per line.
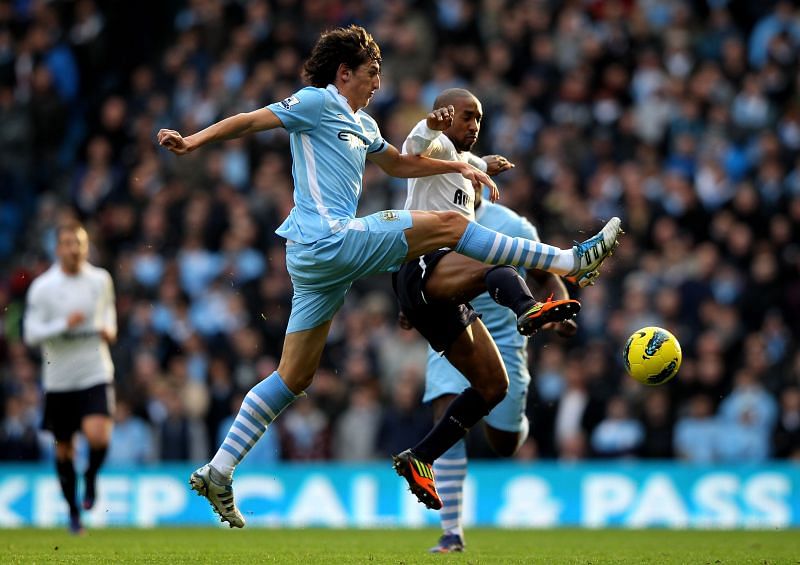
pixel 335 91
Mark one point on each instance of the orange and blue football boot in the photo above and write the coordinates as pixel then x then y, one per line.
pixel 543 313
pixel 419 476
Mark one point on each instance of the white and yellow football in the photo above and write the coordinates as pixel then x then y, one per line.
pixel 652 356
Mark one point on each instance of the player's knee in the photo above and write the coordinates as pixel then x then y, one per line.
pixel 494 390
pixel 454 224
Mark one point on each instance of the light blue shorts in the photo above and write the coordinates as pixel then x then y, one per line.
pixel 442 378
pixel 323 271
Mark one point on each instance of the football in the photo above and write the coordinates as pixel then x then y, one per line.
pixel 652 356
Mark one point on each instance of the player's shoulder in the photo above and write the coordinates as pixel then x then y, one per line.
pixel 98 273
pixel 306 96
pixel 44 280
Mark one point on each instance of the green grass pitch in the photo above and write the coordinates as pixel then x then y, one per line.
pixel 317 547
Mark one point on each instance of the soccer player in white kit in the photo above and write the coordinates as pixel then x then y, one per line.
pixel 71 314
pixel 434 294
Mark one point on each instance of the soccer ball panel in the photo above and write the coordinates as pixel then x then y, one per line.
pixel 652 356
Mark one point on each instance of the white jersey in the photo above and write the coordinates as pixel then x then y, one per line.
pixel 77 358
pixel 449 191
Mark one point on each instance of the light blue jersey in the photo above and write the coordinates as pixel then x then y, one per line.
pixel 327 246
pixel 442 378
pixel 329 144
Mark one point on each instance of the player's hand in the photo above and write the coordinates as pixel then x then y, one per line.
pixel 403 321
pixel 441 118
pixel 106 335
pixel 496 164
pixel 75 319
pixel 478 178
pixel 173 141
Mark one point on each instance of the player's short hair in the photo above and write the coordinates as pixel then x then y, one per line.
pixel 71 227
pixel 352 46
pixel 450 95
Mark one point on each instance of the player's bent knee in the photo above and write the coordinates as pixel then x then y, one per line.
pixel 493 391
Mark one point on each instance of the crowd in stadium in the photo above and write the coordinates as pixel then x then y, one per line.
pixel 682 117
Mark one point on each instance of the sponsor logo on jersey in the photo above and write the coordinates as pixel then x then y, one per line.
pixel 353 140
pixel 461 198
pixel 289 102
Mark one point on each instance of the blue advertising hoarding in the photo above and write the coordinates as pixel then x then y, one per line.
pixel 497 494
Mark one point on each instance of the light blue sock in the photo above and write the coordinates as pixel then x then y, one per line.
pixel 488 246
pixel 449 471
pixel 265 401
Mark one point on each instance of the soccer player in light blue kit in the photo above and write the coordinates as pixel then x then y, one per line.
pixel 506 425
pixel 328 248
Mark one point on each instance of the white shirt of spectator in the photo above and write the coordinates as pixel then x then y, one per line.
pixel 77 358
pixel 449 191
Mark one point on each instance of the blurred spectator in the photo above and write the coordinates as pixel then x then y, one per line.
pixel 618 434
pixel 19 439
pixel 657 422
pixel 404 421
pixel 131 438
pixel 697 434
pixel 356 430
pixel 305 432
pixel 787 433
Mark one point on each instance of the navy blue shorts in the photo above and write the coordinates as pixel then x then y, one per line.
pixel 64 411
pixel 439 322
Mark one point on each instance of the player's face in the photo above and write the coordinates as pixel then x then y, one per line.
pixel 72 249
pixel 466 123
pixel 362 84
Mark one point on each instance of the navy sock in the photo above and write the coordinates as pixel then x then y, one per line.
pixel 465 411
pixel 96 458
pixel 68 480
pixel 508 289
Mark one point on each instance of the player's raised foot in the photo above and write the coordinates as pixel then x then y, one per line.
pixel 75 525
pixel 543 313
pixel 211 484
pixel 90 494
pixel 590 254
pixel 419 476
pixel 448 543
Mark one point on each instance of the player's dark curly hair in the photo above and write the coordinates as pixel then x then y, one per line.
pixel 352 45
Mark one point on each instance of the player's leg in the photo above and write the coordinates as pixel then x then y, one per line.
pixel 458 279
pixel 264 402
pixel 432 230
pixel 475 355
pixel 62 418
pixel 450 470
pixel 321 273
pixel 96 426
pixel 68 479
pixel 507 426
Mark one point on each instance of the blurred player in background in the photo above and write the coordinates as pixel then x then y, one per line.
pixel 434 294
pixel 506 426
pixel 71 314
pixel 331 138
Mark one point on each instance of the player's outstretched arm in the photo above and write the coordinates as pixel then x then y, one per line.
pixel 229 128
pixel 414 166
